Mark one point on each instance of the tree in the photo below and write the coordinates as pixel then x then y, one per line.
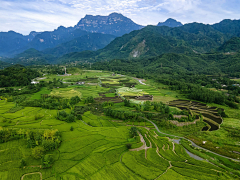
pixel 47 160
pixel 22 163
pixel 133 131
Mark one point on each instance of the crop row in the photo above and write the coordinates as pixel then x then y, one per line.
pixel 135 160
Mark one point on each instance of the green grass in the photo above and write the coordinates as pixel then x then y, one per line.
pixel 66 92
pixel 43 90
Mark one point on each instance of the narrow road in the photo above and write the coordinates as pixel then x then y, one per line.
pixel 193 144
pixel 32 173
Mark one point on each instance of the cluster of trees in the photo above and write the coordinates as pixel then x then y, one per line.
pixel 124 115
pixel 40 141
pixel 63 116
pixel 17 75
pixel 51 102
pixel 157 106
pixel 89 99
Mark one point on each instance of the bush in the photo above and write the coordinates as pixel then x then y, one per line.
pixel 22 163
pixel 129 145
pixel 37 152
pixel 71 128
pixel 133 131
pixel 63 116
pixel 89 99
pixel 47 161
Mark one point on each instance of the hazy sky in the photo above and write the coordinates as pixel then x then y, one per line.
pixel 24 16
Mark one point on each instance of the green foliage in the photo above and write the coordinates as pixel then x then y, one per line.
pixel 22 163
pixel 129 145
pixel 51 102
pixel 63 116
pixel 127 102
pixel 37 152
pixel 89 99
pixel 74 100
pixel 232 45
pixel 47 161
pixel 17 75
pixel 71 128
pixel 133 131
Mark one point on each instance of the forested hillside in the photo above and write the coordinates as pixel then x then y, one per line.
pixel 232 45
pixel 17 75
pixel 91 41
pixel 156 40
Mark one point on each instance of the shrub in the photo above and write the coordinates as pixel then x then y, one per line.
pixel 71 128
pixel 133 131
pixel 37 152
pixel 22 163
pixel 47 160
pixel 129 145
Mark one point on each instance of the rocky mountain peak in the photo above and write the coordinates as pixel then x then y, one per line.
pixel 115 24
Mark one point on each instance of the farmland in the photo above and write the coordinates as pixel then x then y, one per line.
pixel 90 138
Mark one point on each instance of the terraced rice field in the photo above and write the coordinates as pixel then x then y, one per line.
pixel 95 146
pixel 210 114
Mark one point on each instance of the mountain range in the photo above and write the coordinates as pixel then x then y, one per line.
pixel 100 38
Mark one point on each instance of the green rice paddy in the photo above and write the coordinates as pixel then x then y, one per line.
pixel 96 147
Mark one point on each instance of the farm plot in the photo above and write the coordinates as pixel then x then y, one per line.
pixel 66 92
pixel 132 92
pixel 169 158
pixel 111 97
pixel 210 114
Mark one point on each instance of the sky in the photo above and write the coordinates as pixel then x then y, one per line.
pixel 24 16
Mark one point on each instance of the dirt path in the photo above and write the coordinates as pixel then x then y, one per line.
pixel 170 165
pixel 143 146
pixel 166 170
pixel 173 148
pixel 32 173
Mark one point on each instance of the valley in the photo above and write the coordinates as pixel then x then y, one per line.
pixel 110 132
pixel 108 98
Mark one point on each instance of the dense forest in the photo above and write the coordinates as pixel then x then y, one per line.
pixel 17 75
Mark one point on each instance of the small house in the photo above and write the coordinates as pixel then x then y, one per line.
pixel 80 83
pixel 34 82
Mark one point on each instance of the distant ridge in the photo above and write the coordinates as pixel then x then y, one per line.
pixel 170 23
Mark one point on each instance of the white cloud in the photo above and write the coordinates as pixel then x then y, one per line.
pixel 41 15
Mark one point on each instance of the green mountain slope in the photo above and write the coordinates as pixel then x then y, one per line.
pixel 232 45
pixel 92 41
pixel 31 57
pixel 156 40
pixel 228 26
pixel 172 63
